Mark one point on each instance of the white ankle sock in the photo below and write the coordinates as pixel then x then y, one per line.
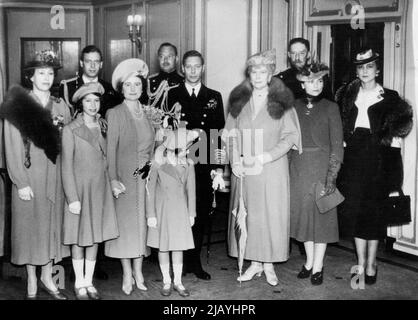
pixel 78 265
pixel 88 278
pixel 165 270
pixel 177 270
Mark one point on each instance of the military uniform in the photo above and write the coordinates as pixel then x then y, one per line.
pixel 289 78
pixel 154 81
pixel 205 112
pixel 68 87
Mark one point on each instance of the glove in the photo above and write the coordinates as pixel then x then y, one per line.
pixel 117 188
pixel 217 180
pixel 238 170
pixel 144 170
pixel 191 221
pixel 25 193
pixel 152 222
pixel 264 158
pixel 75 207
pixel 331 180
pixel 220 156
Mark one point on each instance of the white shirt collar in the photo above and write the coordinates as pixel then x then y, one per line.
pixel 87 80
pixel 196 88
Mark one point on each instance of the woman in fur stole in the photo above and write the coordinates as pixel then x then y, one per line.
pixel 262 126
pixel 90 217
pixel 374 121
pixel 32 141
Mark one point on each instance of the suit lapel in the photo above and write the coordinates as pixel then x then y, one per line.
pixel 83 132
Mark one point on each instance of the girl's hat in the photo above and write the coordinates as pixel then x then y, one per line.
pixel 85 89
pixel 128 68
pixel 366 56
pixel 314 71
pixel 180 139
pixel 43 59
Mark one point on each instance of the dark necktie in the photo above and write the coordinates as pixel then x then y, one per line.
pixel 193 94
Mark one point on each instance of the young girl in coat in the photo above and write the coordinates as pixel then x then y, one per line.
pixel 90 217
pixel 171 206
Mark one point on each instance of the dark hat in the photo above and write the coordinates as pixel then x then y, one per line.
pixel 85 89
pixel 366 56
pixel 316 70
pixel 44 59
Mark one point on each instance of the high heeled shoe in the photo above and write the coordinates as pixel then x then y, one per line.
pixel 127 289
pixel 140 285
pixel 253 270
pixel 56 295
pixel 270 275
pixel 370 279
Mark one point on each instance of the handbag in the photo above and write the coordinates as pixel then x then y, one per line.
pixel 397 210
pixel 327 202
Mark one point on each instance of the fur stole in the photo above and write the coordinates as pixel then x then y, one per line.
pixel 397 121
pixel 32 120
pixel 279 98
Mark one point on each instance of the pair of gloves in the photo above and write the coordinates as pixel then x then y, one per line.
pixel 152 222
pixel 331 180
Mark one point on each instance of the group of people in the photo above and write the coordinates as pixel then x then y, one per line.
pixel 92 168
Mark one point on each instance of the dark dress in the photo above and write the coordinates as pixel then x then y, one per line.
pixel 372 169
pixel 322 138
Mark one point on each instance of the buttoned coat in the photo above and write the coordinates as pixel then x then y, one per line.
pixel 86 179
pixel 36 229
pixel 129 146
pixel 172 200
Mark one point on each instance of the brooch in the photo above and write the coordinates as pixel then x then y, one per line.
pixel 58 121
pixel 211 104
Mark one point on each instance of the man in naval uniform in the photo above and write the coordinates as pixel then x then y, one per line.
pixel 168 60
pixel 90 64
pixel 202 109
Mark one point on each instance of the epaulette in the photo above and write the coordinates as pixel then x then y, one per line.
pixel 68 80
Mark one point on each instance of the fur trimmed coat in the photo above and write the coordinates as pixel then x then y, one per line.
pixel 36 235
pixel 372 168
pixel 274 130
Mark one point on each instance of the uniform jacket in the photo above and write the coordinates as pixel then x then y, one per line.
pixel 173 79
pixel 206 113
pixel 68 88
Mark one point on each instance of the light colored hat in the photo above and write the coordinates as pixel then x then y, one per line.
pixel 180 139
pixel 85 89
pixel 366 57
pixel 316 70
pixel 128 68
pixel 266 58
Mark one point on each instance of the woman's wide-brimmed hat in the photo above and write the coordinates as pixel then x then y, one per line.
pixel 43 59
pixel 366 56
pixel 314 71
pixel 265 58
pixel 128 68
pixel 87 88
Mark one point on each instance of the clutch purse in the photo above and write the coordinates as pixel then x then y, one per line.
pixel 327 202
pixel 397 210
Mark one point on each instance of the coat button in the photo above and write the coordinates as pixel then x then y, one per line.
pixel 204 115
pixel 202 123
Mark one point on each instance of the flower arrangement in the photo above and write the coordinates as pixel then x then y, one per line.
pixel 47 56
pixel 58 121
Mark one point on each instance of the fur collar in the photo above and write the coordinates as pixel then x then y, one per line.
pixel 279 98
pixel 32 120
